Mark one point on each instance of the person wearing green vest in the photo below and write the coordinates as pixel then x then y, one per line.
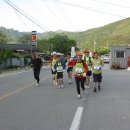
pixel 52 64
pixel 97 64
pixel 59 66
pixel 80 69
pixel 88 61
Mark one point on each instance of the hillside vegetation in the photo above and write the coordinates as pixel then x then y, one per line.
pixel 117 33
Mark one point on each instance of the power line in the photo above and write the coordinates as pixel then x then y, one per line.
pixel 25 15
pixel 83 7
pixel 123 6
pixel 54 14
pixel 21 18
pixel 36 7
pixel 61 11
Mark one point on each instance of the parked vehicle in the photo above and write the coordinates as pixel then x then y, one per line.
pixel 106 58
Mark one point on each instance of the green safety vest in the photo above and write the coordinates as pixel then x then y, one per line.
pixel 59 67
pixel 97 63
pixel 88 60
pixel 79 68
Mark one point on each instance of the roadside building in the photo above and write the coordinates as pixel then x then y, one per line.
pixel 120 57
pixel 23 49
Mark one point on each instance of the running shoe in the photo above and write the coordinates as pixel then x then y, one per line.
pixel 62 85
pixel 37 84
pixel 69 81
pixel 79 96
pixel 59 86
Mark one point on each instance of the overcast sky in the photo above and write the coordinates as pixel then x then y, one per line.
pixel 68 15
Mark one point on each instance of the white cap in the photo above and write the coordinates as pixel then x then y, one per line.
pixel 58 54
pixel 54 53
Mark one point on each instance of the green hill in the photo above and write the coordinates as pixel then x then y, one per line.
pixel 117 33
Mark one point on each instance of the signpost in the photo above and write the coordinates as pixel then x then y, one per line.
pixel 72 51
pixel 34 38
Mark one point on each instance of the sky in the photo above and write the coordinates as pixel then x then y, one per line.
pixel 67 15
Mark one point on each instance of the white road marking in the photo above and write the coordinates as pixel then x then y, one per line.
pixel 19 72
pixel 77 119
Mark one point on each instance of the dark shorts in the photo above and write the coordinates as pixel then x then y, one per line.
pixel 53 72
pixel 97 77
pixel 89 73
pixel 59 75
pixel 70 69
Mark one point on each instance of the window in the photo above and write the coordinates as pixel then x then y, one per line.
pixel 120 54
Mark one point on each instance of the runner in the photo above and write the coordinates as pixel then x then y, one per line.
pixel 52 64
pixel 97 72
pixel 59 66
pixel 80 70
pixel 36 66
pixel 88 61
pixel 69 67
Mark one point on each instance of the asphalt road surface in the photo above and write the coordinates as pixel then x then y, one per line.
pixel 23 106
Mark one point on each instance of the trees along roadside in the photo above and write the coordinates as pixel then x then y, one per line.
pixel 57 43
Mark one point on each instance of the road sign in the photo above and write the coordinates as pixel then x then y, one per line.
pixel 34 38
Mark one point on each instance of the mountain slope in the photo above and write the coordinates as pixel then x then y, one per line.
pixel 117 33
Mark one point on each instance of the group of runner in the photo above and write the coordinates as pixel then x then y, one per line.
pixel 85 66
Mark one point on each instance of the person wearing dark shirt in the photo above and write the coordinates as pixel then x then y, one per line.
pixel 36 66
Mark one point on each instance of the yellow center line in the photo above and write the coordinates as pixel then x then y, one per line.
pixel 20 89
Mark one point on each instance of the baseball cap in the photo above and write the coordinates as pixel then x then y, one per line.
pixel 79 53
pixel 86 51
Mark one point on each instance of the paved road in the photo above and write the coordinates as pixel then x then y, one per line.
pixel 26 107
pixel 109 108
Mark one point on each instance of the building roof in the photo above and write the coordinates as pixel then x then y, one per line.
pixel 19 47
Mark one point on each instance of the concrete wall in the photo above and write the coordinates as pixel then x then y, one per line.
pixel 15 61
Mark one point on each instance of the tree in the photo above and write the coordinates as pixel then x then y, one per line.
pixel 103 51
pixel 25 39
pixel 44 45
pixel 58 43
pixel 3 37
pixel 4 55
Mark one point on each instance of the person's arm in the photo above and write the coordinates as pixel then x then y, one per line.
pixel 85 67
pixel 73 62
pixel 32 63
pixel 102 63
pixel 51 61
pixel 41 64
